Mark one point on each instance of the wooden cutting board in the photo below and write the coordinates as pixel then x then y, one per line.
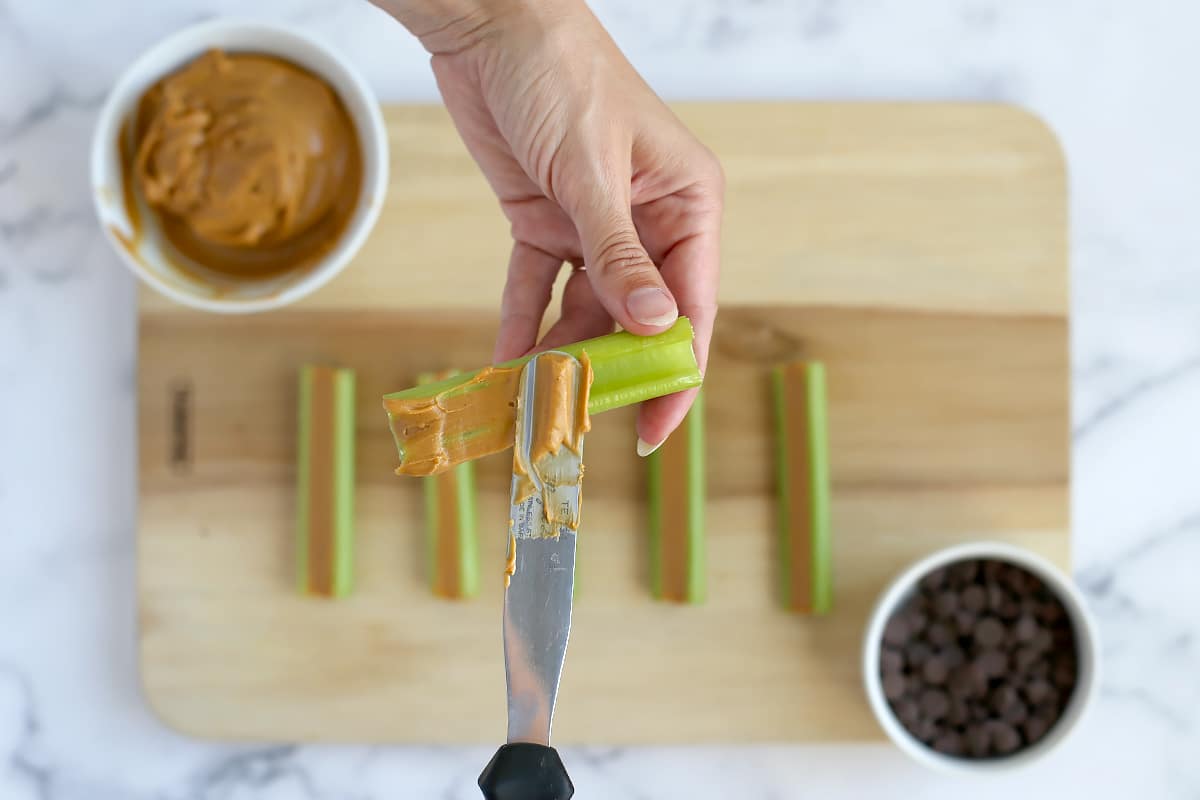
pixel 919 250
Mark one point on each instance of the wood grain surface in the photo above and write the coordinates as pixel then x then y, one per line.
pixel 918 250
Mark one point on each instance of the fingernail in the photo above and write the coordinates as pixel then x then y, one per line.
pixel 651 306
pixel 645 448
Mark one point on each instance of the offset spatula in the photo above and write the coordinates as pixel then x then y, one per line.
pixel 543 523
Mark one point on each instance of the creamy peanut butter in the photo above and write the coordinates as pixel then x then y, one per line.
pixel 448 577
pixel 510 562
pixel 467 421
pixel 553 405
pixel 675 547
pixel 250 162
pixel 799 521
pixel 560 420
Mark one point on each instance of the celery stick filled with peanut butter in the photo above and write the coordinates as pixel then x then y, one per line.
pixel 439 425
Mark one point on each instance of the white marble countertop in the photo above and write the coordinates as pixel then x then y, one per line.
pixel 1116 80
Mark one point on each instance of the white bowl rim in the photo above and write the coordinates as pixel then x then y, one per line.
pixel 1086 642
pixel 189 42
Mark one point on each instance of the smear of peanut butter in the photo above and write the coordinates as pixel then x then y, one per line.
pixel 560 419
pixel 510 563
pixel 554 403
pixel 250 162
pixel 475 418
pixel 674 516
pixel 467 421
pixel 448 576
pixel 799 521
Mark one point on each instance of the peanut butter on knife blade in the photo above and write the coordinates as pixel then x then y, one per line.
pixel 562 420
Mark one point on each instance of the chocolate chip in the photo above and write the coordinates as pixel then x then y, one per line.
pixel 992 570
pixel 996 597
pixel 895 632
pixel 953 656
pixel 959 713
pixel 1015 714
pixel 1030 606
pixel 992 663
pixel 1005 738
pixel 1034 729
pixel 926 730
pixel 964 572
pixel 894 686
pixel 945 604
pixel 934 580
pixel 979 742
pixel 916 654
pixel 907 711
pixel 935 671
pixel 974 599
pixel 1015 579
pixel 968 680
pixel 961 681
pixel 934 703
pixel 1063 673
pixel 891 660
pixel 948 742
pixel 979 712
pixel 1051 612
pixel 1025 658
pixel 917 620
pixel 1026 628
pixel 1042 641
pixel 964 622
pixel 1009 610
pixel 989 632
pixel 940 635
pixel 1002 698
pixel 1037 691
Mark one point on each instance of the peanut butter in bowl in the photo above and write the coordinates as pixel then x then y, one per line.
pixel 250 164
pixel 238 166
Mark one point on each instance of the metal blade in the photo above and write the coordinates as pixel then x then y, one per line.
pixel 537 601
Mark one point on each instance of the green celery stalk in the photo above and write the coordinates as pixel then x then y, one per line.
pixel 802 455
pixel 325 482
pixel 626 369
pixel 460 578
pixel 680 459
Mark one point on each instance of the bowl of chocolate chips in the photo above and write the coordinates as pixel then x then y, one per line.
pixel 980 657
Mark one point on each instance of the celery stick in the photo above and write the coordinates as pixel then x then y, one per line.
pixel 451 540
pixel 325 481
pixel 677 491
pixel 802 464
pixel 626 369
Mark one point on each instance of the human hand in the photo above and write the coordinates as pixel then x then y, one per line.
pixel 590 167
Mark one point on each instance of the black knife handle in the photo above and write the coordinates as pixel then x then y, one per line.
pixel 525 771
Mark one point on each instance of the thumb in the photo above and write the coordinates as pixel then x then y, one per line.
pixel 623 277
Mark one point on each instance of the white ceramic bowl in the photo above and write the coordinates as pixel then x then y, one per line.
pixel 145 257
pixel 1085 642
